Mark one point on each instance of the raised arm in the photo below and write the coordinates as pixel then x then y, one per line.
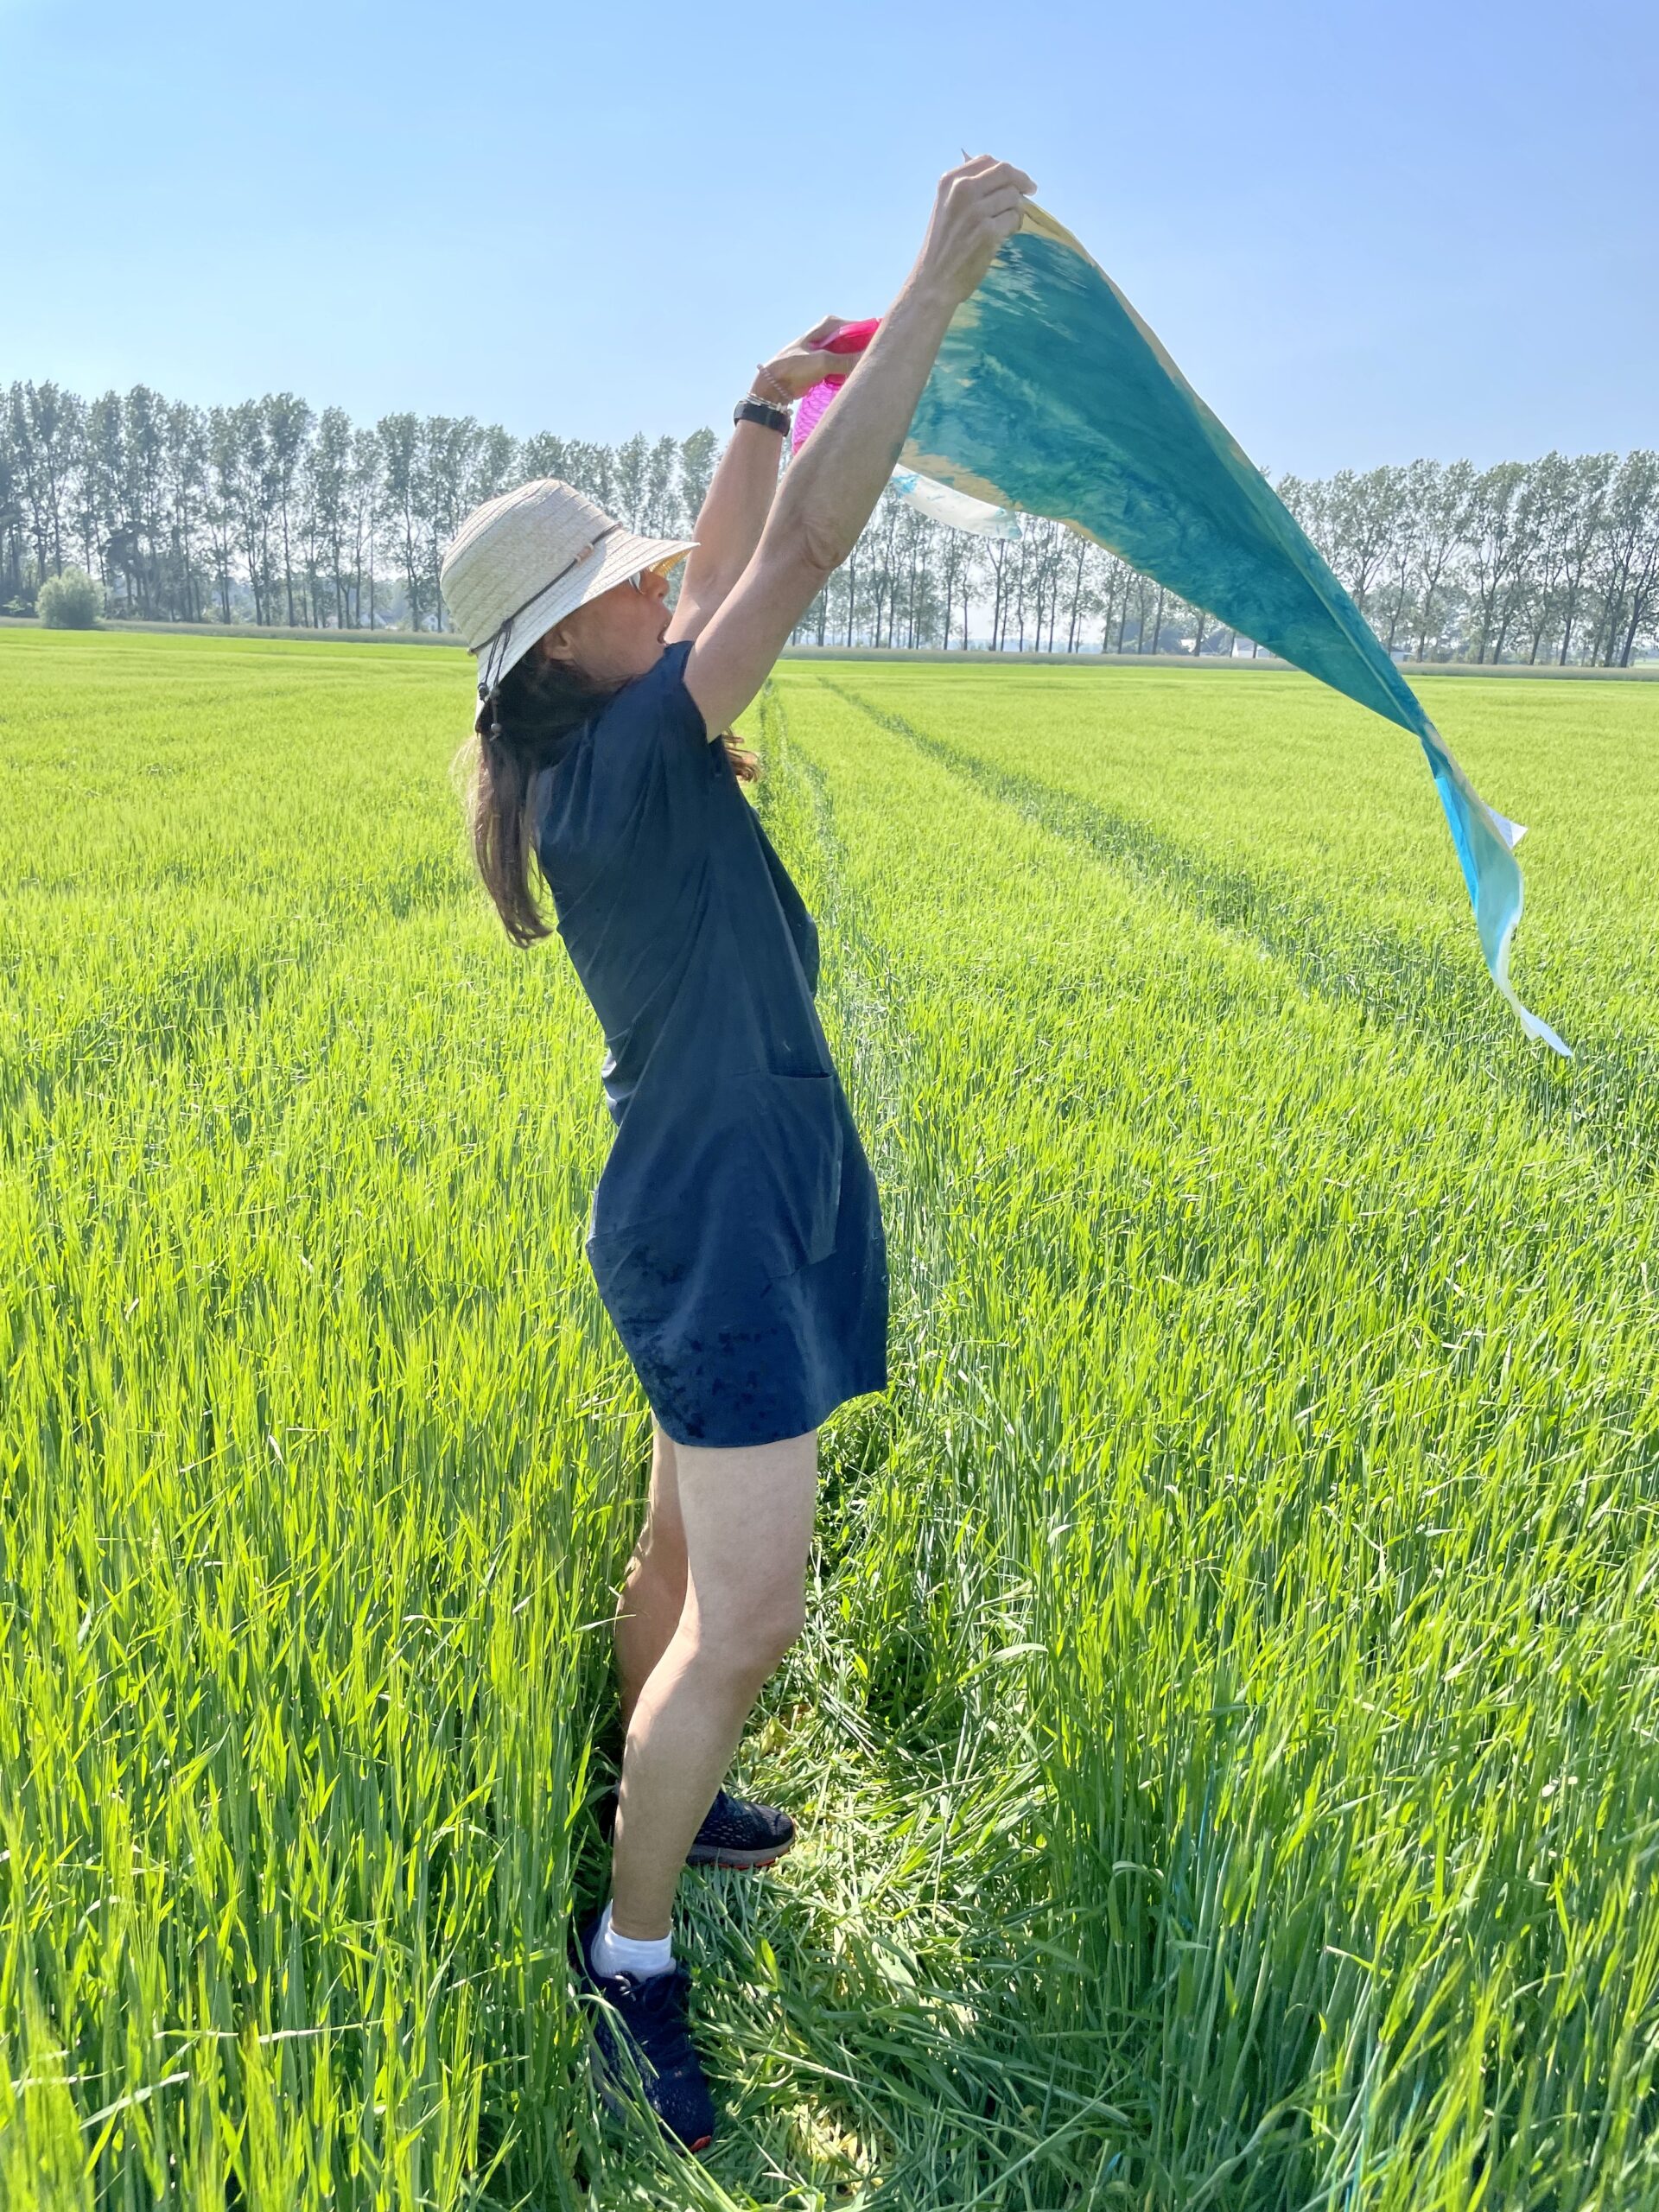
pixel 831 487
pixel 739 498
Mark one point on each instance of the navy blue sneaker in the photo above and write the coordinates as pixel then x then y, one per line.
pixel 735 1832
pixel 654 2044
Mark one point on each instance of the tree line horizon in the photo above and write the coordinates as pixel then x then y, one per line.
pixel 269 514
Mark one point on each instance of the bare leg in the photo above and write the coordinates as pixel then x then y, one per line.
pixel 653 1591
pixel 747 1518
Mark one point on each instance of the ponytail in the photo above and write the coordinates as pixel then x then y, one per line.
pixel 521 726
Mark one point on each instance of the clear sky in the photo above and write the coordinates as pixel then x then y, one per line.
pixel 1365 232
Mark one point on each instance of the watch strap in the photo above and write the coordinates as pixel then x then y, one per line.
pixel 762 411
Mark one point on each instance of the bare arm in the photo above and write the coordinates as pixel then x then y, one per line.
pixel 728 526
pixel 831 488
pixel 734 509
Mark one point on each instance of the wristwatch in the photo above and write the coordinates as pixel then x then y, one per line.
pixel 763 412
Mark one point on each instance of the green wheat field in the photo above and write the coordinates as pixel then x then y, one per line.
pixel 1224 1742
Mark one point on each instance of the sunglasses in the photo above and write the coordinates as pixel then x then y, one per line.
pixel 637 580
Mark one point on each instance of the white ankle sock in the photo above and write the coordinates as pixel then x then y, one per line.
pixel 614 1953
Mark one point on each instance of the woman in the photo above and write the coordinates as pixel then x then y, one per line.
pixel 736 1237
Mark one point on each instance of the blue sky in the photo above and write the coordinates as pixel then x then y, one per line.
pixel 1364 232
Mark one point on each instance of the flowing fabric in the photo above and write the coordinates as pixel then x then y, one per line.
pixel 1051 396
pixel 945 504
pixel 959 509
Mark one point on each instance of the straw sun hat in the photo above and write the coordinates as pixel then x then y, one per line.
pixel 523 562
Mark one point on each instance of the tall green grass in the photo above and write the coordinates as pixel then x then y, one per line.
pixel 1222 1742
pixel 1302 1354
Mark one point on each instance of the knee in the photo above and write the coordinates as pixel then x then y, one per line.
pixel 750 1644
pixel 658 1553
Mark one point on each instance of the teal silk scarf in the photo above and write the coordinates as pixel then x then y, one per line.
pixel 1050 396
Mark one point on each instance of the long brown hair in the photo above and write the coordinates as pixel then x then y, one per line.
pixel 538 705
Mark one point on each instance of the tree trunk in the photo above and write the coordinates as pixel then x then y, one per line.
pixel 1431 587
pixel 1394 620
pixel 287 574
pixel 1641 595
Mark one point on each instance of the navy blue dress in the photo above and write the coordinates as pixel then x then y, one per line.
pixel 736 1233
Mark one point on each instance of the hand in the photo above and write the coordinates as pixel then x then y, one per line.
pixel 803 363
pixel 976 207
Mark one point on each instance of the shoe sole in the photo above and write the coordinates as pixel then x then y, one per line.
pixel 605 2081
pixel 766 1855
pixel 747 1860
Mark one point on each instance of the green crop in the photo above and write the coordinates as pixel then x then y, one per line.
pixel 1223 1740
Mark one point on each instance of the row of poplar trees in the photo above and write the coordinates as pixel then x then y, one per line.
pixel 268 512
pixel 272 513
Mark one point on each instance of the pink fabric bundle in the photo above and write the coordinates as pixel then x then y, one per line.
pixel 853 340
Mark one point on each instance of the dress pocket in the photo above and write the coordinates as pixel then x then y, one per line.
pixel 794 1154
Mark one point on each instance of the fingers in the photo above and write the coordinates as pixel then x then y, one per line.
pixel 984 170
pixel 1003 178
pixel 978 207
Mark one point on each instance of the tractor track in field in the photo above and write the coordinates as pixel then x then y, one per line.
pixel 1601 1102
pixel 882 1055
